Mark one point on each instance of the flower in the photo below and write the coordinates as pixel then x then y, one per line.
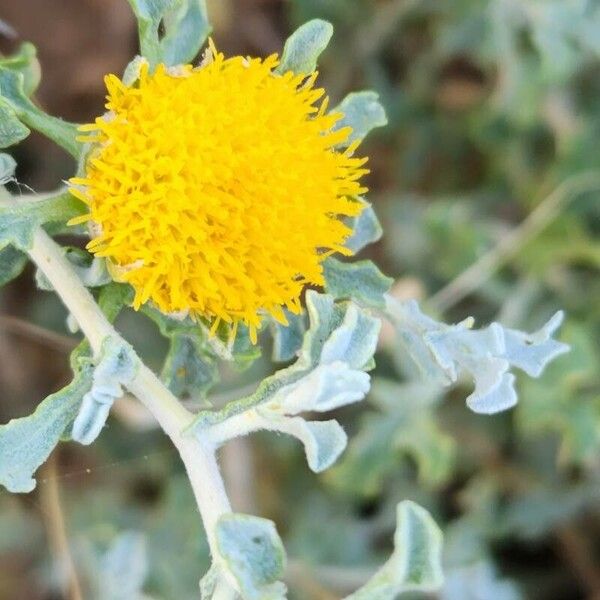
pixel 219 190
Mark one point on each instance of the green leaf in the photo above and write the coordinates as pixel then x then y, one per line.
pixel 252 553
pixel 304 46
pixel 366 229
pixel 12 263
pixel 324 441
pixel 27 442
pixel 189 368
pixel 117 366
pixel 25 61
pixel 362 112
pixel 186 30
pixel 19 220
pixel 12 91
pixel 325 318
pixel 415 564
pixel 12 131
pixel 287 339
pixel 185 25
pixel 361 281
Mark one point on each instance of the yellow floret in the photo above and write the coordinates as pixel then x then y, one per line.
pixel 218 190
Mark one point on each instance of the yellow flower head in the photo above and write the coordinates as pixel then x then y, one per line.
pixel 218 190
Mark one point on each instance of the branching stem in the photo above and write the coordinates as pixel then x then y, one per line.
pixel 198 456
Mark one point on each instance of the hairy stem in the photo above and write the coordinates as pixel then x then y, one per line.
pixel 198 456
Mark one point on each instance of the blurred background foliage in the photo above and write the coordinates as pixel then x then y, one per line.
pixel 494 115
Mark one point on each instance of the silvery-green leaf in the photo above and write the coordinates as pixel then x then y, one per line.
pixel 354 341
pixel 149 14
pixel 304 46
pixel 188 369
pixel 338 332
pixel 12 263
pixel 326 388
pixel 252 555
pixel 361 281
pixel 415 564
pixel 19 220
pixel 27 442
pixel 116 367
pixel 12 92
pixel 366 229
pixel 12 131
pixel 442 352
pixel 287 339
pixel 123 569
pixel 25 62
pixel 323 441
pixel 362 112
pixel 186 30
pixel 531 352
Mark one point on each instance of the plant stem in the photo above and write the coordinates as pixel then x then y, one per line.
pixel 198 456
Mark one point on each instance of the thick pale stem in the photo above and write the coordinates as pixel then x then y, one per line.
pixel 198 457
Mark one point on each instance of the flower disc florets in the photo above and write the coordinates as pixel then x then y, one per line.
pixel 218 190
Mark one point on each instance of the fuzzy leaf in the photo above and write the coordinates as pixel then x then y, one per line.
pixel 12 131
pixel 12 263
pixel 287 339
pixel 27 442
pixel 323 441
pixel 354 343
pixel 117 366
pixel 442 352
pixel 188 369
pixel 251 553
pixel 362 112
pixel 361 281
pixel 186 30
pixel 304 46
pixel 12 91
pixel 366 229
pixel 18 221
pixel 25 62
pixel 415 564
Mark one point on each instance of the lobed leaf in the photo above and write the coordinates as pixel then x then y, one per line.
pixel 27 442
pixel 287 339
pixel 188 369
pixel 14 94
pixel 442 352
pixel 117 366
pixel 362 113
pixel 252 555
pixel 19 220
pixel 415 564
pixel 366 229
pixel 12 131
pixel 304 46
pixel 361 281
pixel 186 30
